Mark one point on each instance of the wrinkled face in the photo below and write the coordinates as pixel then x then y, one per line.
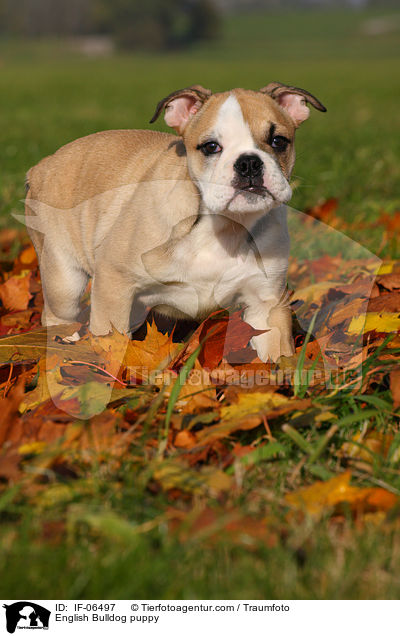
pixel 240 152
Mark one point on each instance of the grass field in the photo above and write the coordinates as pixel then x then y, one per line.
pixel 51 95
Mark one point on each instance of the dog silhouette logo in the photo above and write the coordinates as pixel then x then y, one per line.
pixel 26 615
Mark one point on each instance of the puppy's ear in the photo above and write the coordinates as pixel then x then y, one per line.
pixel 293 100
pixel 181 105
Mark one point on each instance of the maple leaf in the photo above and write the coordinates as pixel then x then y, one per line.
pixel 154 352
pixel 140 356
pixel 327 495
pixel 220 336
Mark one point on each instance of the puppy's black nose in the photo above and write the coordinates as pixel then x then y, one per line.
pixel 248 166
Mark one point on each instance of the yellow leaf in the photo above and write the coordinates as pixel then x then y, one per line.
pixel 364 447
pixel 386 268
pixel 245 414
pixel 48 384
pixel 313 293
pixel 325 416
pixel 175 474
pixel 383 322
pixel 252 403
pixel 34 448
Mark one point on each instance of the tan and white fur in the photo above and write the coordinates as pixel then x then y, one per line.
pixel 184 225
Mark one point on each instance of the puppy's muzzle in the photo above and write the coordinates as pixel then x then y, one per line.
pixel 249 171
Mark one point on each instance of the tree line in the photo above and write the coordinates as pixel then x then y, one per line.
pixel 133 24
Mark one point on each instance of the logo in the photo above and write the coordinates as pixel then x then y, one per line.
pixel 26 615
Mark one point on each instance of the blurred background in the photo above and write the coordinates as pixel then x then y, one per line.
pixel 72 67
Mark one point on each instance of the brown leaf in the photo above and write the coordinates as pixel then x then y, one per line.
pixel 386 302
pixel 395 388
pixel 211 526
pixel 228 334
pixel 19 321
pixel 389 281
pixel 9 410
pixel 9 467
pixel 221 335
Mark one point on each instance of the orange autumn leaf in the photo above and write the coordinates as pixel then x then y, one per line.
pixel 326 495
pixel 28 257
pixel 390 221
pixel 117 351
pixel 185 439
pixel 324 211
pixel 110 349
pixel 154 352
pixel 14 292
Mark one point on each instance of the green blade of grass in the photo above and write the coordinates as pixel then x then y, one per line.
pixel 302 356
pixel 180 381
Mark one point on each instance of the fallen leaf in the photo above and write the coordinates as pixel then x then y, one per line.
pixel 14 292
pixel 324 211
pixel 248 413
pixel 42 342
pixel 395 388
pixel 176 475
pixel 226 335
pixel 384 322
pixel 9 409
pixel 385 303
pixel 327 495
pixel 364 447
pixel 389 281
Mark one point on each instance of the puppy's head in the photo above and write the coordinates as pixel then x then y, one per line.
pixel 239 144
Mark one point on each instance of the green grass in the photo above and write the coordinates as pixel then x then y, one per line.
pixel 51 96
pixel 85 538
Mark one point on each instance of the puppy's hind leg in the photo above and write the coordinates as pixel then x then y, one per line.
pixel 63 283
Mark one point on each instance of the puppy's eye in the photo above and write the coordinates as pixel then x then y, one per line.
pixel 279 143
pixel 210 148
